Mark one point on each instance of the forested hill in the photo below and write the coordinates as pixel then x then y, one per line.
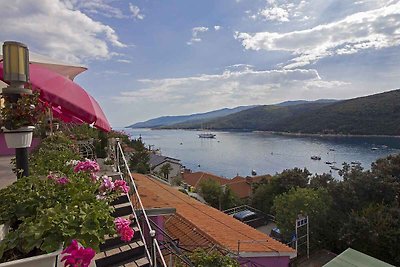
pixel 377 114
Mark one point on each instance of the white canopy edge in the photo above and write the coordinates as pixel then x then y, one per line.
pixel 65 69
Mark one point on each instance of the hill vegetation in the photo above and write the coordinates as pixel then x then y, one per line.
pixel 377 114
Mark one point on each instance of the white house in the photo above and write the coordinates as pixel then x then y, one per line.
pixel 157 161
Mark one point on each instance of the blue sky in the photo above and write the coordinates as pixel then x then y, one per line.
pixel 158 57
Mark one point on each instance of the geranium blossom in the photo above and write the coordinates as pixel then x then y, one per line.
pixel 123 228
pixel 120 185
pixel 62 180
pixel 78 256
pixel 87 166
pixel 107 184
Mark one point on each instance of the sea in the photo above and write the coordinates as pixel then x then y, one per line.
pixel 240 153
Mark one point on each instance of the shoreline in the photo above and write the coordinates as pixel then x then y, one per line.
pixel 279 133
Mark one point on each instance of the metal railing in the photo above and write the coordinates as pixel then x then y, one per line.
pixel 153 250
pixel 172 246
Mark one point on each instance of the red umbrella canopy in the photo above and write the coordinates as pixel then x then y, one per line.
pixel 71 99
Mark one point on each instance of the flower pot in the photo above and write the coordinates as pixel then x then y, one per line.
pixel 46 260
pixel 18 138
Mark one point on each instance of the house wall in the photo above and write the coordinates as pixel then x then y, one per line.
pixel 266 261
pixel 176 169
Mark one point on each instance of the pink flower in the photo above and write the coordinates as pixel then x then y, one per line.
pixel 94 177
pixel 107 184
pixel 78 256
pixel 120 185
pixel 62 180
pixel 87 166
pixel 123 228
pixel 126 234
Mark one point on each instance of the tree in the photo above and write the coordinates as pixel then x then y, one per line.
pixel 375 230
pixel 228 199
pixel 211 191
pixel 264 194
pixel 165 170
pixel 139 159
pixel 313 203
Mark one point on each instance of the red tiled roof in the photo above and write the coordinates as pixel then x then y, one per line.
pixel 217 226
pixel 195 178
pixel 242 189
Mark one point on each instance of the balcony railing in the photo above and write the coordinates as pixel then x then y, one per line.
pixel 152 247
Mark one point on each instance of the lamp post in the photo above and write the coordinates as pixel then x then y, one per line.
pixel 16 73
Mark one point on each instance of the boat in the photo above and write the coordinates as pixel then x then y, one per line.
pixel 315 157
pixel 335 168
pixel 253 172
pixel 356 163
pixel 374 148
pixel 207 135
pixel 328 162
pixel 331 149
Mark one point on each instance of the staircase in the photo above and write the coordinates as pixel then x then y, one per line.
pixel 143 250
pixel 115 252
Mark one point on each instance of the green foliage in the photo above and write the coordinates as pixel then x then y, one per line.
pixel 266 192
pixel 26 111
pixel 44 214
pixel 52 154
pixel 312 202
pixel 165 170
pixel 374 230
pixel 211 191
pixel 139 159
pixel 202 258
pixel 216 196
pixel 375 114
pixel 50 214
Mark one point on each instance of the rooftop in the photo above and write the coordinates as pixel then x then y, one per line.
pixel 351 257
pixel 213 224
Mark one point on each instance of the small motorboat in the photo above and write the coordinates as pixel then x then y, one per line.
pixel 315 157
pixel 328 162
pixel 253 172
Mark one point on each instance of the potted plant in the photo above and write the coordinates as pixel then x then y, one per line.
pixel 69 208
pixel 18 119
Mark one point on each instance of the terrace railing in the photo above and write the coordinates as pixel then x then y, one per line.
pixel 152 247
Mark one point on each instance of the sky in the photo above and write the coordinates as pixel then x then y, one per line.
pixel 150 58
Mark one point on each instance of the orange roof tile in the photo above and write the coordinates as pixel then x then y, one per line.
pixel 195 178
pixel 242 189
pixel 223 229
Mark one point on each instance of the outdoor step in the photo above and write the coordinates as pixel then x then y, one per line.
pixel 123 255
pixel 115 241
pixel 122 210
pixel 120 200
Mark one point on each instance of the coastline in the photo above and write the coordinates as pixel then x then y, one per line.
pixel 277 132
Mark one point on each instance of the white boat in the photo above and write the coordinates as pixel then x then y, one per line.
pixel 207 135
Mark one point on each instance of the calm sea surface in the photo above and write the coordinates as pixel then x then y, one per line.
pixel 232 153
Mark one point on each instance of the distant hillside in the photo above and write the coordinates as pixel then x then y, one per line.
pixel 297 102
pixel 169 120
pixel 376 114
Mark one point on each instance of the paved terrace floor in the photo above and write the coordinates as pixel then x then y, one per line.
pixel 7 177
pixel 216 225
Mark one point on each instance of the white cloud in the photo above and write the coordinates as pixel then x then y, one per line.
pixel 230 88
pixel 52 28
pixel 275 14
pixel 100 7
pixel 282 11
pixel 135 10
pixel 124 60
pixel 195 32
pixel 217 27
pixel 374 29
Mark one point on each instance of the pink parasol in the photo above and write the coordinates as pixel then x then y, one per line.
pixel 72 101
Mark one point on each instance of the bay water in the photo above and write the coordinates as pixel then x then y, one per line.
pixel 238 153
